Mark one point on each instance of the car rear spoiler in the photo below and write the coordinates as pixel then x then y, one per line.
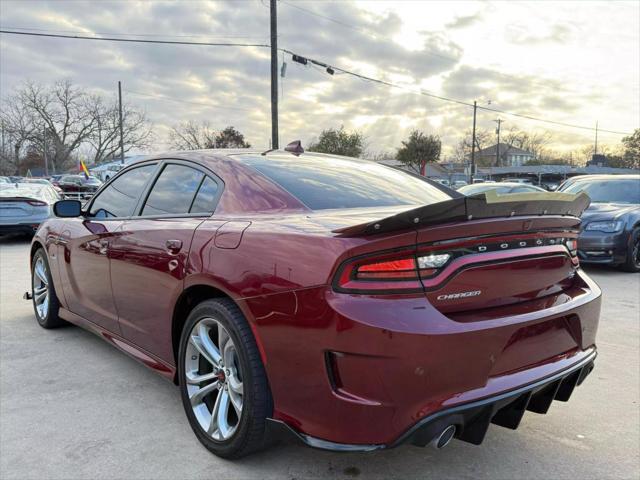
pixel 485 205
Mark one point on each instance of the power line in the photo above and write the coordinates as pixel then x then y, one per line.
pixel 317 62
pixel 80 32
pixel 135 40
pixel 447 99
pixel 528 117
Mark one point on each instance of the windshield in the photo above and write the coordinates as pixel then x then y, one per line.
pixel 484 187
pixel 92 181
pixel 332 182
pixel 80 180
pixel 609 191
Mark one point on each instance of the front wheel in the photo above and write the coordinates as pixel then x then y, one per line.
pixel 223 384
pixel 45 301
pixel 632 263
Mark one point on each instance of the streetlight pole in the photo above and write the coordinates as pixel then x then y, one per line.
pixel 274 74
pixel 499 122
pixel 44 149
pixel 473 144
pixel 120 114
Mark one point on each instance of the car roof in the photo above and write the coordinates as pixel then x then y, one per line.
pixel 501 185
pixel 252 191
pixel 235 156
pixel 603 176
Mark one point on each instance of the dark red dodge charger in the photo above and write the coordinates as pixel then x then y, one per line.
pixel 350 305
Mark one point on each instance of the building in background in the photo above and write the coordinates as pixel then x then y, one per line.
pixel 510 156
pixel 598 160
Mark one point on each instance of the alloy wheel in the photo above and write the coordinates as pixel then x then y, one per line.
pixel 213 379
pixel 41 288
pixel 635 253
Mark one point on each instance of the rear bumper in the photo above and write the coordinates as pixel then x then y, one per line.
pixel 471 420
pixel 28 229
pixel 363 371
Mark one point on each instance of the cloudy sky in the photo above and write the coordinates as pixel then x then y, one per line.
pixel 574 62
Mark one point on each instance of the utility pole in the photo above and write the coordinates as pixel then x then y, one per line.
pixel 120 113
pixel 274 75
pixel 595 149
pixel 44 149
pixel 473 144
pixel 499 122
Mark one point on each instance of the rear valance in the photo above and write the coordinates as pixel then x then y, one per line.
pixel 485 205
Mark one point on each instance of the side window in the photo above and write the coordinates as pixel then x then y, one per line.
pixel 119 198
pixel 205 201
pixel 173 192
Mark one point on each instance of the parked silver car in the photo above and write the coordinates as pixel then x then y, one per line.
pixel 500 187
pixel 24 206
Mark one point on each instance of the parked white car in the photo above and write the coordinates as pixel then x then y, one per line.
pixel 24 206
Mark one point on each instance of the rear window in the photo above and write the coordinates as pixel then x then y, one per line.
pixel 328 182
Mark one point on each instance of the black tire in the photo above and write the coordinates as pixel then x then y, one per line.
pixel 49 317
pixel 257 406
pixel 632 262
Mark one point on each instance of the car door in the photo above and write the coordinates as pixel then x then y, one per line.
pixel 149 256
pixel 84 263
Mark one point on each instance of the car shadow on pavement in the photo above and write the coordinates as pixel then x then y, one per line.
pixel 15 239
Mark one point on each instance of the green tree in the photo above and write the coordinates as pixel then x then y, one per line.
pixel 339 142
pixel 631 155
pixel 199 136
pixel 230 138
pixel 419 149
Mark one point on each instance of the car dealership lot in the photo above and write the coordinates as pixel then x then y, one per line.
pixel 72 406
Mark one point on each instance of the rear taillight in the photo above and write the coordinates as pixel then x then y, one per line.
pixel 36 203
pixel 410 271
pixel 392 269
pixel 399 274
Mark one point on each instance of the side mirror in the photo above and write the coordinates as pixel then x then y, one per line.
pixel 67 208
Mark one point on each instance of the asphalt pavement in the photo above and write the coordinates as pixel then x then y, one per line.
pixel 74 407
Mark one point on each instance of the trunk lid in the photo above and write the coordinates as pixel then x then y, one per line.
pixel 16 208
pixel 500 250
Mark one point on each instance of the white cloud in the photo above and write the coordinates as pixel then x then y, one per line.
pixel 559 62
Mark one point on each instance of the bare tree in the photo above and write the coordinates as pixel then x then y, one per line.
pixel 192 136
pixel 105 136
pixel 18 128
pixel 63 112
pixel 462 152
pixel 533 142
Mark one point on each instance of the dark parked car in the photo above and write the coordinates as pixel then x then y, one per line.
pixel 611 225
pixel 78 186
pixel 500 188
pixel 351 305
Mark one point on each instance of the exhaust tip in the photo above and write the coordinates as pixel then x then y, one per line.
pixel 442 440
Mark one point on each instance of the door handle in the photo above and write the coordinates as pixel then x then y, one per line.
pixel 173 246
